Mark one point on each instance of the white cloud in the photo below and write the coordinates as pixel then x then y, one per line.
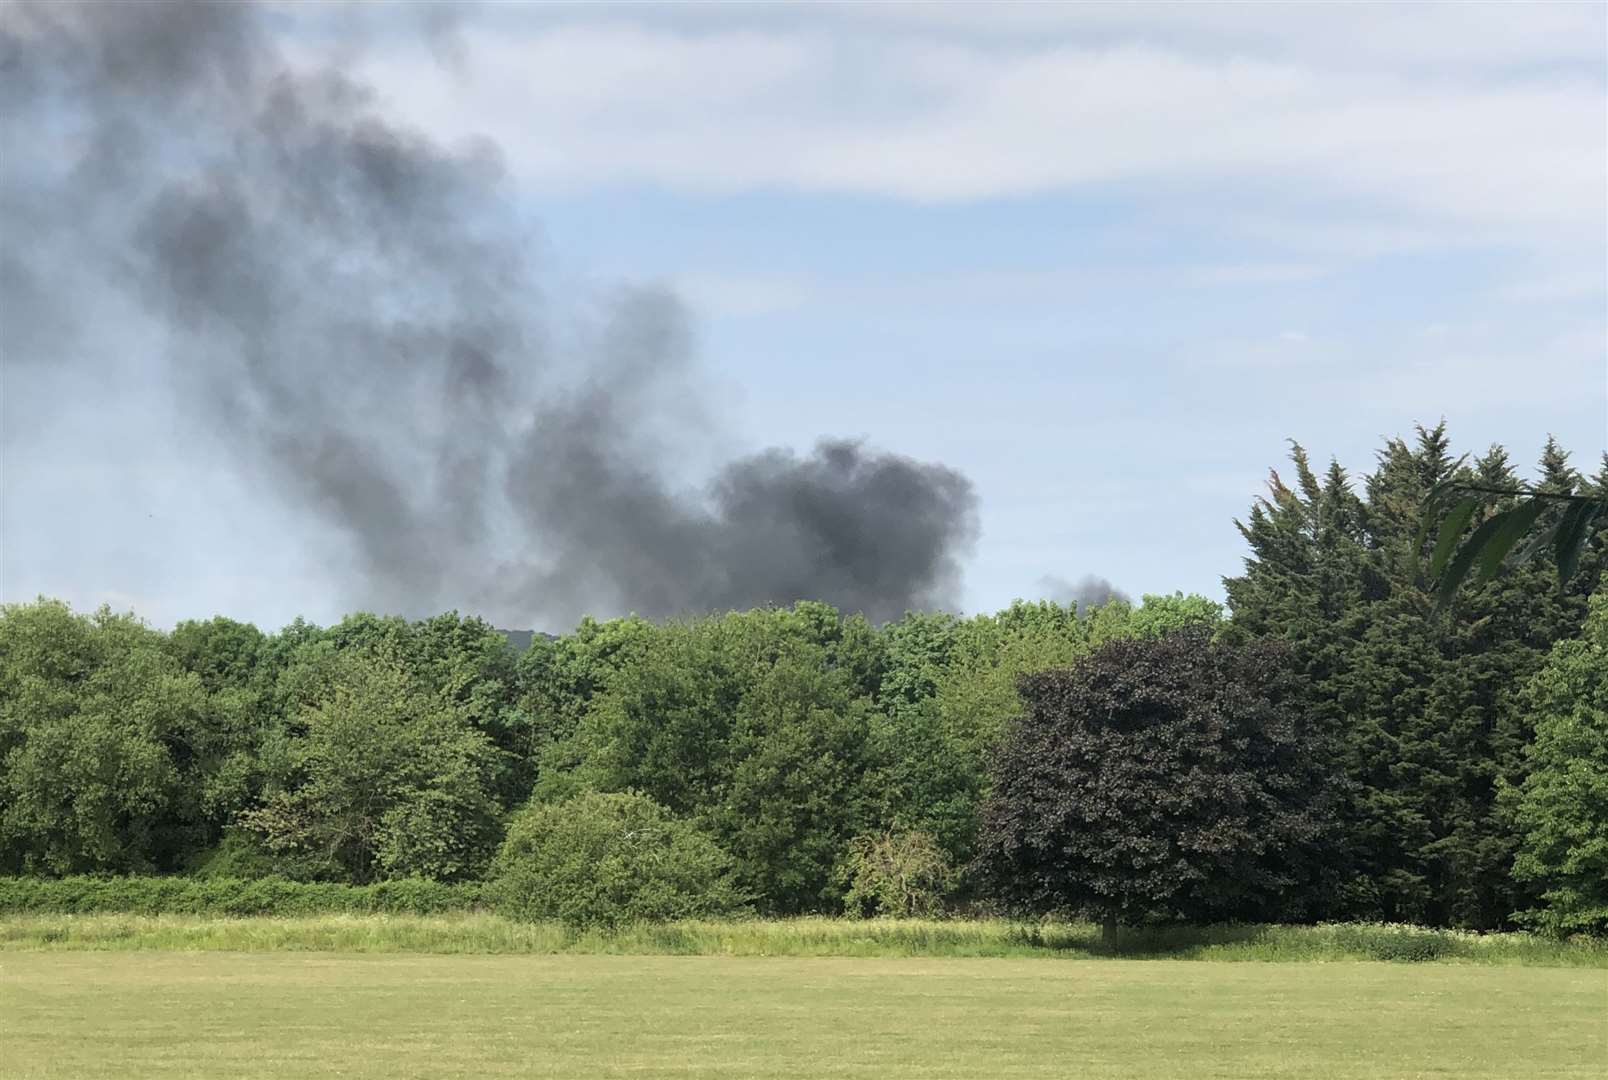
pixel 1505 146
pixel 1337 33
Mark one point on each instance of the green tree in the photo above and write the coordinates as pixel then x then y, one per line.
pixel 93 711
pixel 899 874
pixel 957 693
pixel 223 756
pixel 559 677
pixel 1561 808
pixel 1158 779
pixel 1551 514
pixel 1418 711
pixel 752 724
pixel 223 653
pixel 384 777
pixel 1158 615
pixel 933 748
pixel 798 787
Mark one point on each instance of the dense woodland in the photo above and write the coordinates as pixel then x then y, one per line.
pixel 1328 747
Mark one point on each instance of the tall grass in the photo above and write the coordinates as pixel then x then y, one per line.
pixel 482 933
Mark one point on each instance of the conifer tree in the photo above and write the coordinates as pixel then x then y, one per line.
pixel 1419 708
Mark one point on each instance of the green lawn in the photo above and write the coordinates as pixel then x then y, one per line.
pixel 220 1014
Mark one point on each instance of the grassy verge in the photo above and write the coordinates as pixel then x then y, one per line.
pixel 479 933
pixel 231 1016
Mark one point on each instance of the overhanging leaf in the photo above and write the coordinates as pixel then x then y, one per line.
pixel 1451 528
pixel 1458 568
pixel 1571 538
pixel 1434 501
pixel 1515 523
pixel 1533 546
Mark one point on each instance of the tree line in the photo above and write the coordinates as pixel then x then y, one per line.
pixel 1332 746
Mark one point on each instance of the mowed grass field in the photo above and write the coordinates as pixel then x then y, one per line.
pixel 312 1014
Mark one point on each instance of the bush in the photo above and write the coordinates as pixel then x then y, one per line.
pixel 604 860
pixel 230 897
pixel 241 857
pixel 896 874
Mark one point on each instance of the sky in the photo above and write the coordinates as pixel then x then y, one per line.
pixel 1104 260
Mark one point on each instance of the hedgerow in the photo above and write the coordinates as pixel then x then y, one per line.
pixel 232 896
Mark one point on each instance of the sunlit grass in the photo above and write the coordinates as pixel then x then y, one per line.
pixel 483 933
pixel 236 1015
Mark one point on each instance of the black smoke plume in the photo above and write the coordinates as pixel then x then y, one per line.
pixel 352 314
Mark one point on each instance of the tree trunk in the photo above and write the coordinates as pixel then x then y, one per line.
pixel 1108 932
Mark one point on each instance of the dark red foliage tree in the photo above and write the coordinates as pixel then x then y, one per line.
pixel 1159 780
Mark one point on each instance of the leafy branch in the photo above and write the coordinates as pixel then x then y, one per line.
pixel 1453 503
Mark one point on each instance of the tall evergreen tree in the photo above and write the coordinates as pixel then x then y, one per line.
pixel 1419 709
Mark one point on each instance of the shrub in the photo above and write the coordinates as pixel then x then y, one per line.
pixel 1402 943
pixel 241 856
pixel 898 874
pixel 604 860
pixel 230 897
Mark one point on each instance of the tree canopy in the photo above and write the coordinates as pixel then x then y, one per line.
pixel 840 764
pixel 1156 780
pixel 1561 807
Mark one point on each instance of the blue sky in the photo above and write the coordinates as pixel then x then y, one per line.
pixel 1105 260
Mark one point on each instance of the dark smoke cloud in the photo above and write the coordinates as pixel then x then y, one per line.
pixel 1087 592
pixel 350 311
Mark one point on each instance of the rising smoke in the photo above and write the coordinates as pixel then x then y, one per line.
pixel 352 315
pixel 1089 591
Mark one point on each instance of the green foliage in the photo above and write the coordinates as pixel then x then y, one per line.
pixel 387 778
pixel 897 875
pixel 934 747
pixel 242 855
pixel 1561 808
pixel 607 860
pixel 1549 515
pixel 95 720
pixel 809 745
pixel 231 897
pixel 1157 780
pixel 797 788
pixel 223 653
pixel 1402 943
pixel 558 677
pixel 753 725
pixel 1159 615
pixel 465 661
pixel 1420 713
